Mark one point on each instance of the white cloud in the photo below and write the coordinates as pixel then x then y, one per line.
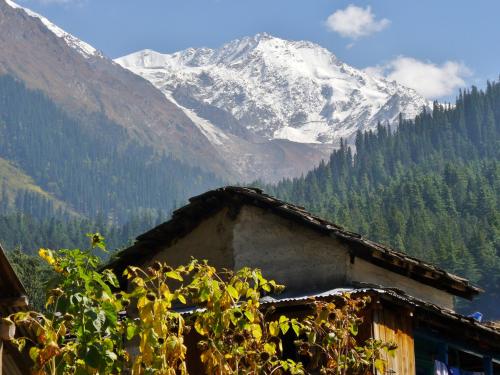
pixel 428 79
pixel 355 22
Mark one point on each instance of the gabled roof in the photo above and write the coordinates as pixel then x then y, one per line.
pixel 185 219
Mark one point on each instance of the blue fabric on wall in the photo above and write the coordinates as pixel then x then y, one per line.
pixel 440 368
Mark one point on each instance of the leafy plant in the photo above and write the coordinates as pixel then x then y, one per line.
pixel 237 336
pixel 159 328
pixel 331 342
pixel 80 332
pixel 91 327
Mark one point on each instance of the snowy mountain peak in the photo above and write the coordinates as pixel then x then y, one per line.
pixel 248 49
pixel 80 46
pixel 272 88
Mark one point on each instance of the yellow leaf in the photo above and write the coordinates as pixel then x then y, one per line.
pixel 283 319
pixel 204 357
pixel 380 365
pixel 174 275
pixel 256 331
pixel 199 328
pixel 266 287
pixel 270 348
pixel 142 302
pixel 295 327
pixel 274 329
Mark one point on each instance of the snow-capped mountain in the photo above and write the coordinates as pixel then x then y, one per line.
pixel 85 49
pixel 265 88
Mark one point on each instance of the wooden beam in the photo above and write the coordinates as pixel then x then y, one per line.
pixel 7 331
pixel 1 356
pixel 21 301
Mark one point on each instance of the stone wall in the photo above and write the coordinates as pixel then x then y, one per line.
pixel 291 254
pixel 211 240
pixel 363 271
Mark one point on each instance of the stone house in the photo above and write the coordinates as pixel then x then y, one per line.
pixel 412 301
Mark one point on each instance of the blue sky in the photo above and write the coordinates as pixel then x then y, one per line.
pixel 434 46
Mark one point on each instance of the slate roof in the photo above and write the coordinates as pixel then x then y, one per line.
pixel 186 218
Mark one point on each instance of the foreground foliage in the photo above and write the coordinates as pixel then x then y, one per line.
pixel 91 327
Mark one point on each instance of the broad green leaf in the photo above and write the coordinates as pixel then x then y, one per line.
pixel 34 351
pixel 174 275
pixel 353 328
pixel 249 316
pixel 232 292
pixel 111 278
pixel 110 312
pixel 93 357
pixel 131 331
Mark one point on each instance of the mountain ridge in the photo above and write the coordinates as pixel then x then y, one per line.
pixel 278 89
pixel 82 47
pixel 86 85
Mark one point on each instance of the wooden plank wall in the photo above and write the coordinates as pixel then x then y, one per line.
pixel 396 326
pixel 11 367
pixel 12 363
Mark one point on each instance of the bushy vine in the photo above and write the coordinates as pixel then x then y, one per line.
pixel 91 326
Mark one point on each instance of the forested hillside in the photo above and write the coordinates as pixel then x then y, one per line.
pixel 22 235
pixel 431 189
pixel 28 234
pixel 89 163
